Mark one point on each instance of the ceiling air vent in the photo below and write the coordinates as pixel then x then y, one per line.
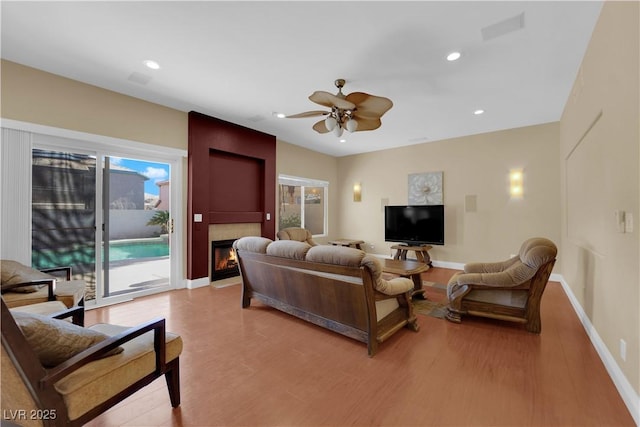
pixel 139 78
pixel 503 27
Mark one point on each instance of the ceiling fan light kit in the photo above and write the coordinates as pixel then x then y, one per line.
pixel 355 112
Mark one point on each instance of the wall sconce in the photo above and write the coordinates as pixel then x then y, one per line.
pixel 516 183
pixel 357 192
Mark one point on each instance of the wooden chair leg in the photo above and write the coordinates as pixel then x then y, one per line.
pixel 173 382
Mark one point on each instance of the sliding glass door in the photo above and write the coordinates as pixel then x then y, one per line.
pixel 63 213
pixel 137 224
pixel 107 216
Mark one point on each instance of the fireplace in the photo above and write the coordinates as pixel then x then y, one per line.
pixel 223 260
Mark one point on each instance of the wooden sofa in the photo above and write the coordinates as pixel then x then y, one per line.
pixel 338 288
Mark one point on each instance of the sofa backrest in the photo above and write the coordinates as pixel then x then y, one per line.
pixel 323 254
pixel 537 251
pixel 288 249
pixel 252 244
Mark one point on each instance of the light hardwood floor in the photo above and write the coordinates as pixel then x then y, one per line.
pixel 260 367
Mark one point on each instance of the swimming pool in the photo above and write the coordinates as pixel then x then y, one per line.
pixel 119 250
pixel 134 249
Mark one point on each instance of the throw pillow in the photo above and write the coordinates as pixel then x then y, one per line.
pixel 54 340
pixel 13 273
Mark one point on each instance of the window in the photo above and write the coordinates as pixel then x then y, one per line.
pixel 303 203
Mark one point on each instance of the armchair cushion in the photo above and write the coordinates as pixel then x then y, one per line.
pixel 41 308
pixel 97 381
pixel 54 340
pixel 70 292
pixel 13 273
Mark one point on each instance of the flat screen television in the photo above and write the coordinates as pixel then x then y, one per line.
pixel 414 225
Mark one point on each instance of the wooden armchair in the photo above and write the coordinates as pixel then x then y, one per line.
pixel 51 307
pixel 119 362
pixel 298 234
pixel 23 285
pixel 508 290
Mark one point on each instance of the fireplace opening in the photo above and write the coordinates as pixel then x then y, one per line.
pixel 223 260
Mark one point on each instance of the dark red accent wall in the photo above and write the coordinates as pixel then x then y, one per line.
pixel 232 179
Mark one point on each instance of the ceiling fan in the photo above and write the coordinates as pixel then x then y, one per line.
pixel 355 112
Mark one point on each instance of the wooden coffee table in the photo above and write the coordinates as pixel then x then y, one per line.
pixel 348 243
pixel 409 269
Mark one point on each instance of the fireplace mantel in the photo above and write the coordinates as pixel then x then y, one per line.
pixel 231 179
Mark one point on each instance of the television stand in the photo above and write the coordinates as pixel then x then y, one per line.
pixel 422 253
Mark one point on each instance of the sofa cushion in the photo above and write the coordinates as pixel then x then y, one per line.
pixel 252 244
pixel 288 249
pixel 393 286
pixel 14 272
pixel 54 340
pixel 337 255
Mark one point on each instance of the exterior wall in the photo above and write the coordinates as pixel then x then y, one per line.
pixel 164 191
pixel 131 224
pixel 600 160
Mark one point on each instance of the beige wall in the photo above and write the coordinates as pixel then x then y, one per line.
pixel 297 161
pixel 476 165
pixel 34 96
pixel 600 159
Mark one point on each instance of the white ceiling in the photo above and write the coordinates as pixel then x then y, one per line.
pixel 241 61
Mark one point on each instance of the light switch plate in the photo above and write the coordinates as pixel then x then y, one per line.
pixel 197 217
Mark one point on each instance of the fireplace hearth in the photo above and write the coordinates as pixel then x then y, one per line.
pixel 223 260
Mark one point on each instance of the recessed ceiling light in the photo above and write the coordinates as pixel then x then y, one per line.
pixel 478 112
pixel 152 64
pixel 453 56
pixel 279 115
pixel 343 140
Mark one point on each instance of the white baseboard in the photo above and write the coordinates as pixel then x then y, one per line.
pixel 628 394
pixel 198 283
pixel 447 264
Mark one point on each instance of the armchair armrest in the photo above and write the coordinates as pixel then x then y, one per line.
pixel 51 283
pixel 76 314
pixel 65 270
pixel 517 274
pixel 490 267
pixel 97 351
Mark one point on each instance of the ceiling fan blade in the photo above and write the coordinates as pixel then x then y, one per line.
pixel 320 127
pixel 370 106
pixel 367 123
pixel 329 100
pixel 308 114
